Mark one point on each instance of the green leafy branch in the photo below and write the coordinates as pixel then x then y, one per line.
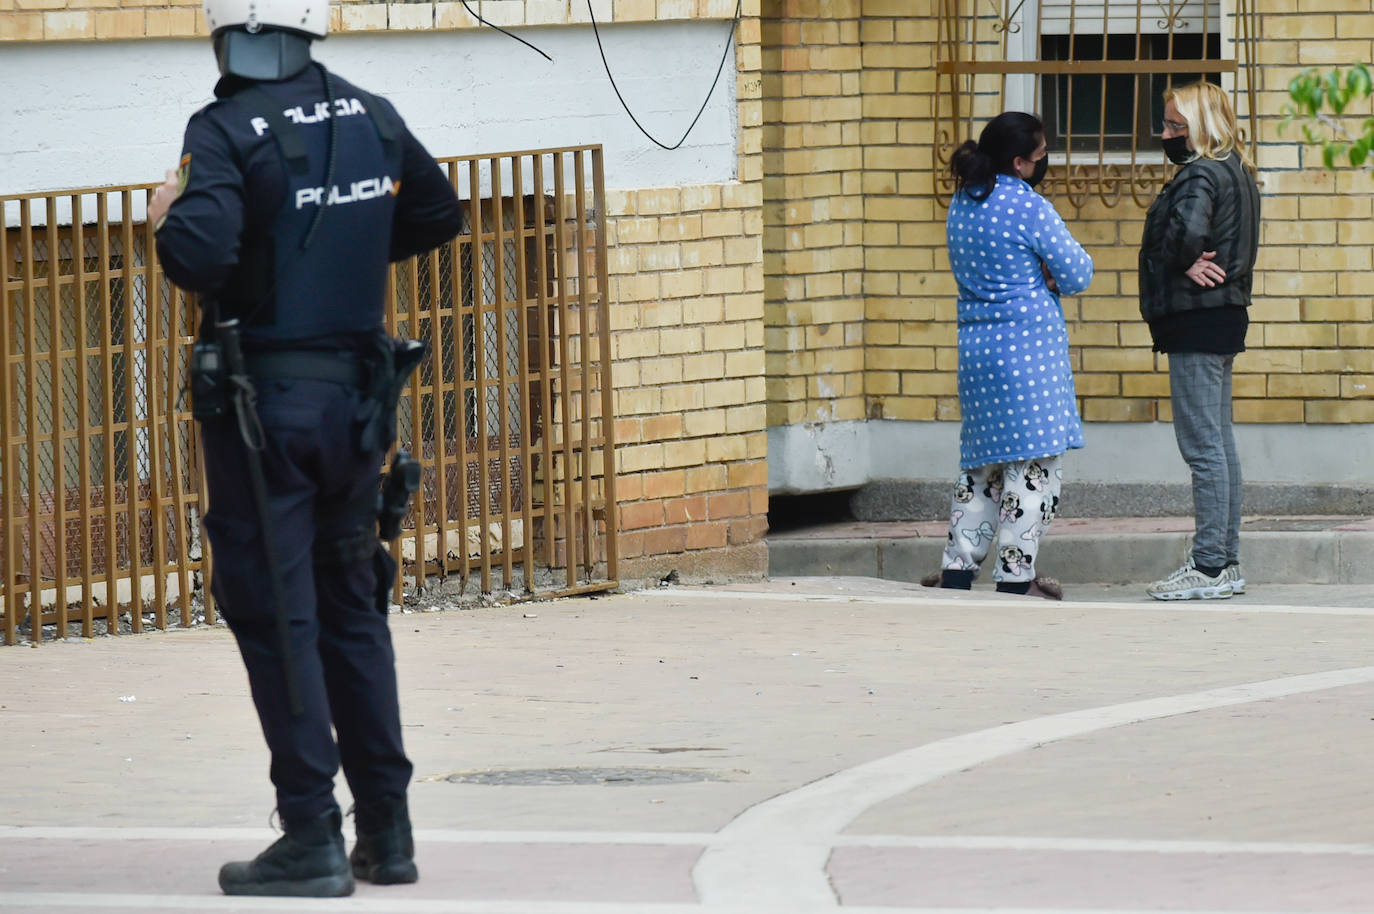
pixel 1319 107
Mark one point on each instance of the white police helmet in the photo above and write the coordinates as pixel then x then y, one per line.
pixel 309 17
pixel 265 39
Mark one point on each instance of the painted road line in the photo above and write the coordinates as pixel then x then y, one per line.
pixel 422 835
pixel 11 902
pixel 777 851
pixel 425 836
pixel 1101 845
pixel 1239 607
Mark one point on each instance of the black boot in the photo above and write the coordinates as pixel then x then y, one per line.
pixel 385 852
pixel 307 862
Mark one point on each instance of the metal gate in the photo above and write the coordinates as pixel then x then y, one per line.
pixel 511 416
pixel 513 409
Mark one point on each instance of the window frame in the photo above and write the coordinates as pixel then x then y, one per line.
pixel 989 60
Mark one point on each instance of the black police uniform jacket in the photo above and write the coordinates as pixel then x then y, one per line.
pixel 236 233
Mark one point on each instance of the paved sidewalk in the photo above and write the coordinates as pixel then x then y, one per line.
pixel 797 745
pixel 1118 550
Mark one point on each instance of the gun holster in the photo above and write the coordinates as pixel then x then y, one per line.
pixel 390 365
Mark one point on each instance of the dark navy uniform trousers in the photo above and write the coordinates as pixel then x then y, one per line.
pixel 344 663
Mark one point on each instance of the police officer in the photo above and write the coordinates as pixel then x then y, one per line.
pixel 295 190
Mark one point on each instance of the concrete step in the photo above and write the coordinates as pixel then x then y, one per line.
pixel 1324 549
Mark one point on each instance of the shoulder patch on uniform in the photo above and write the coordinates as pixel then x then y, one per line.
pixel 183 172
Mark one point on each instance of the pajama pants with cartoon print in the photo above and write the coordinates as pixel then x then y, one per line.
pixel 1009 504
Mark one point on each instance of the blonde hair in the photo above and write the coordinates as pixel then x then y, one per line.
pixel 1211 121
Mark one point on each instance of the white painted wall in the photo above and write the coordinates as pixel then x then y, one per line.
pixel 83 114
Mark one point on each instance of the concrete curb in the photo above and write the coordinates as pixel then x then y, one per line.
pixel 1324 556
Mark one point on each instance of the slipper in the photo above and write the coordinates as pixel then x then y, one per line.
pixel 1046 587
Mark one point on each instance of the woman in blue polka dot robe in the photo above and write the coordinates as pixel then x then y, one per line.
pixel 1012 257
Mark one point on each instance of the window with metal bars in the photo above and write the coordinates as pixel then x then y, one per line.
pixel 1095 71
pixel 1116 112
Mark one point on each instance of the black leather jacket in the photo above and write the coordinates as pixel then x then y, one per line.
pixel 1210 205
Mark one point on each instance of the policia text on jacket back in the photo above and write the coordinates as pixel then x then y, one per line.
pixel 295 190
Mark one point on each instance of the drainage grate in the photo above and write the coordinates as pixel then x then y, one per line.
pixel 603 777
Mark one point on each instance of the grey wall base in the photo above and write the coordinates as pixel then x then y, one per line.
pixel 831 456
pixel 927 499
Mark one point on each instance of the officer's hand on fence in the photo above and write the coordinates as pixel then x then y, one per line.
pixel 163 198
pixel 1206 273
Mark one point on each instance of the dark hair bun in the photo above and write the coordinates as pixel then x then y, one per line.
pixel 975 166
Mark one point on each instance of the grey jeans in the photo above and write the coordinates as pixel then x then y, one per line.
pixel 1200 387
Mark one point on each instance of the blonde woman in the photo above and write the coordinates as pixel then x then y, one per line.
pixel 1197 260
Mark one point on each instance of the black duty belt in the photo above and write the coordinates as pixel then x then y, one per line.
pixel 302 365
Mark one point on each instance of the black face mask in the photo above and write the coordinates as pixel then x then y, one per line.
pixel 1038 175
pixel 1176 148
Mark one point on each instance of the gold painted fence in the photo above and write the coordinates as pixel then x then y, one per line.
pixel 510 416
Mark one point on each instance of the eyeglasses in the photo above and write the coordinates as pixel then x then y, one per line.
pixel 1175 126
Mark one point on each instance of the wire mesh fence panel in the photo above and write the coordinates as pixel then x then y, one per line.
pixel 100 477
pixel 97 460
pixel 501 366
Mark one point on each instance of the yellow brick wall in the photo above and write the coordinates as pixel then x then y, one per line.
pixel 1310 358
pixel 1311 355
pixel 813 165
pixel 687 315
pixel 76 20
pixel 909 303
pixel 686 269
pixel 687 292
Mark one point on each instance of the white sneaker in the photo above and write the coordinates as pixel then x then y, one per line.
pixel 1232 573
pixel 1190 584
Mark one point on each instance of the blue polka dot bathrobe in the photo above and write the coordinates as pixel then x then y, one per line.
pixel 1016 388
